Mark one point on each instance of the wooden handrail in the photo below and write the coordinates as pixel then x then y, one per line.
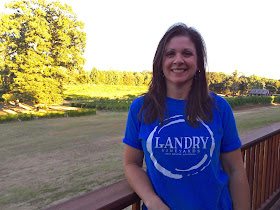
pixel 115 196
pixel 261 155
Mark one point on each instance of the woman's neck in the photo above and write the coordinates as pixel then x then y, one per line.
pixel 180 92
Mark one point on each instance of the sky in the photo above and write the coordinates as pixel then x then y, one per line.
pixel 123 35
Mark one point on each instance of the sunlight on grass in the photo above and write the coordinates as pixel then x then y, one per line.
pixel 88 92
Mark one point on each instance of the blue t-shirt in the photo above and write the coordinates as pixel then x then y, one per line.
pixel 183 163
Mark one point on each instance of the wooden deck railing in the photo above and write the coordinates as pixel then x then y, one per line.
pixel 261 154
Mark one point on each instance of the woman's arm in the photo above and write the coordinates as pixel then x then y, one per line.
pixel 238 184
pixel 139 180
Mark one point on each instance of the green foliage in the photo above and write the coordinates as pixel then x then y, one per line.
pixel 277 99
pixel 114 77
pixel 239 84
pixel 83 77
pixel 39 89
pixel 249 100
pixel 106 104
pixel 41 47
pixel 8 97
pixel 49 114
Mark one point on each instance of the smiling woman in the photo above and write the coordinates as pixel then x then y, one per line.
pixel 187 135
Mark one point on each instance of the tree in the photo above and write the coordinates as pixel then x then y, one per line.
pixel 272 85
pixel 113 77
pixel 215 81
pixel 128 78
pixel 234 88
pixel 94 76
pixel 83 77
pixel 147 77
pixel 218 82
pixel 139 78
pixel 243 85
pixel 255 82
pixel 40 42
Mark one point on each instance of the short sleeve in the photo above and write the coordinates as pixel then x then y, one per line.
pixel 133 125
pixel 230 140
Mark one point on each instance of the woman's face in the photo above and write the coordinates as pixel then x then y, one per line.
pixel 179 61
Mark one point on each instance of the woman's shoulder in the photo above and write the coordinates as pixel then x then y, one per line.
pixel 137 103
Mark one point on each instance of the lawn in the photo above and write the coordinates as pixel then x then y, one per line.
pixel 252 119
pixel 44 162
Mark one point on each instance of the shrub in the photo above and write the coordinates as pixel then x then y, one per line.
pixel 105 104
pixel 277 99
pixel 51 114
pixel 249 100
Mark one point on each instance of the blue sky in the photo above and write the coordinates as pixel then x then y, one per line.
pixel 123 35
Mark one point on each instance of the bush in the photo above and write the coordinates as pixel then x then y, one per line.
pixel 8 118
pixel 249 100
pixel 277 99
pixel 105 104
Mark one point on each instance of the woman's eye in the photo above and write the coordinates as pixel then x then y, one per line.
pixel 170 53
pixel 187 54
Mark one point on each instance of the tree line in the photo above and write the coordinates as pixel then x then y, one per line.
pixel 114 77
pixel 233 84
pixel 239 84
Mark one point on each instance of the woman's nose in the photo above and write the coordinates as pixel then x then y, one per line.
pixel 178 59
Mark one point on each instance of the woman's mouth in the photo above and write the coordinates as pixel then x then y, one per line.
pixel 178 70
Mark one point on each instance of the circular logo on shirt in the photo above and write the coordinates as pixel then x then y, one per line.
pixel 171 141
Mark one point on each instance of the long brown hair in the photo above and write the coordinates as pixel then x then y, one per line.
pixel 199 101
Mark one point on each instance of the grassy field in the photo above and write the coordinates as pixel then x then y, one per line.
pixel 44 162
pixel 253 119
pixel 91 92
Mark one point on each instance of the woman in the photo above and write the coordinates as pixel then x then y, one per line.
pixel 187 135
